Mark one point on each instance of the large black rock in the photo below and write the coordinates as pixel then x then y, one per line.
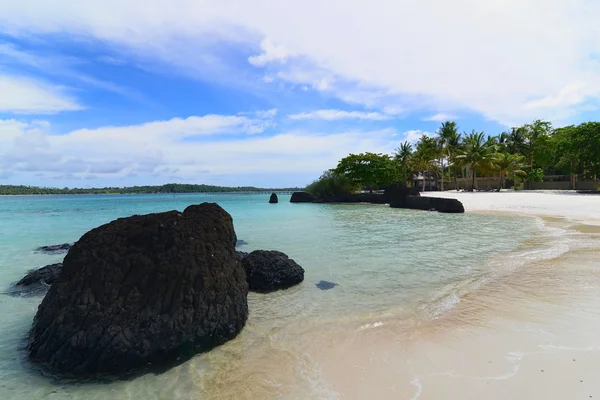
pixel 273 199
pixel 302 197
pixel 427 203
pixel 268 271
pixel 143 292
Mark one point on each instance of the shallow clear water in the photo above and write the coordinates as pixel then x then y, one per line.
pixel 404 265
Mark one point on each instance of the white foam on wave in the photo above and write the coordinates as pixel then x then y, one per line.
pixel 417 384
pixel 371 326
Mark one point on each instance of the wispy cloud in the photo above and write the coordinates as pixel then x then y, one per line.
pixel 22 95
pixel 333 115
pixel 441 117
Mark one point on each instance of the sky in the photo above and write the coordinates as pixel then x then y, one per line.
pixel 271 93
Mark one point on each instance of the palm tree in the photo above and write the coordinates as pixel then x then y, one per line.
pixel 509 165
pixel 444 134
pixel 424 156
pixel 478 153
pixel 454 146
pixel 403 154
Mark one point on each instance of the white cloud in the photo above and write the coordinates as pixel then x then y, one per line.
pixel 414 135
pixel 21 95
pixel 163 147
pixel 270 53
pixel 441 117
pixel 333 115
pixel 498 58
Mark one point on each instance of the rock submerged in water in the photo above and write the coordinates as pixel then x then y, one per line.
pixel 269 271
pixel 143 292
pixel 55 248
pixel 273 199
pixel 325 285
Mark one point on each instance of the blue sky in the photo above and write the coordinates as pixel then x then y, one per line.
pixel 271 94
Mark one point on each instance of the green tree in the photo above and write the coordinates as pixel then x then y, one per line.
pixel 423 159
pixel 509 166
pixel 445 133
pixel 368 170
pixel 402 156
pixel 330 183
pixel 478 153
pixel 454 147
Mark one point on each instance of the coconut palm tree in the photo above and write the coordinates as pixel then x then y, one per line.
pixel 509 165
pixel 444 134
pixel 453 147
pixel 478 153
pixel 402 155
pixel 424 156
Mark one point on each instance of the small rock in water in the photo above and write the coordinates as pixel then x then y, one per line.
pixel 325 285
pixel 240 243
pixel 55 248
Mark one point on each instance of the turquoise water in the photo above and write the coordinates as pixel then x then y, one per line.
pixel 398 264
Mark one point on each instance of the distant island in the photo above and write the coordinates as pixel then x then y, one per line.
pixel 16 190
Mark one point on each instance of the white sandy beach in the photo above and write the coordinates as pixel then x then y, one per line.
pixel 531 334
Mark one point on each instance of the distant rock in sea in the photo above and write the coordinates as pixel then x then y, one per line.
pixel 240 242
pixel 268 271
pixel 147 291
pixel 325 285
pixel 273 199
pixel 55 248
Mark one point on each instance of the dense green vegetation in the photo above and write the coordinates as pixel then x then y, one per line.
pixel 331 183
pixel 168 188
pixel 522 155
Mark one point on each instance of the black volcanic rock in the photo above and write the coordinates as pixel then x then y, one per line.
pixel 37 281
pixel 44 275
pixel 427 203
pixel 55 248
pixel 273 199
pixel 143 292
pixel 268 271
pixel 302 197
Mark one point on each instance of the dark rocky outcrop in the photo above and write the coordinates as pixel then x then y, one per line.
pixel 273 199
pixel 36 282
pixel 325 285
pixel 268 271
pixel 143 292
pixel 241 255
pixel 397 196
pixel 427 203
pixel 44 275
pixel 55 248
pixel 302 197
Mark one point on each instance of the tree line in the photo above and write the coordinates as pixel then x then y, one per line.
pixel 168 188
pixel 521 155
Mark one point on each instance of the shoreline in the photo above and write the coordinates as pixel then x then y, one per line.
pixel 528 331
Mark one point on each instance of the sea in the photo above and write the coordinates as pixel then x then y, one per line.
pixel 401 269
